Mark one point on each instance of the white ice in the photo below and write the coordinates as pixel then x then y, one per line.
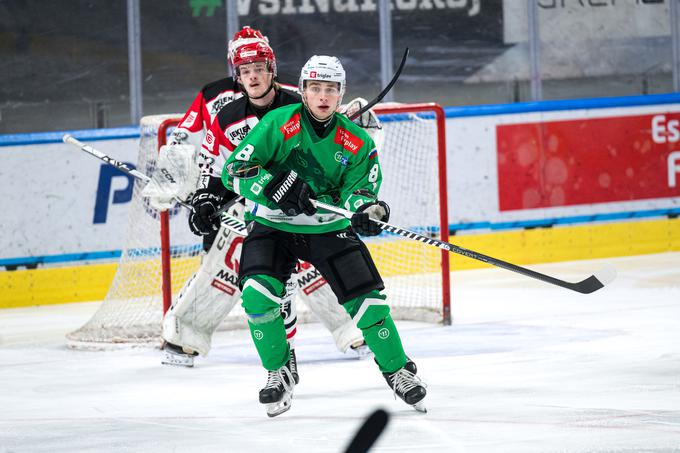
pixel 526 367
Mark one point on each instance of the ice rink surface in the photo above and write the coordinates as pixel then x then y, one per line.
pixel 526 367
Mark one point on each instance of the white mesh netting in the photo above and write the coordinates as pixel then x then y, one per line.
pixel 132 311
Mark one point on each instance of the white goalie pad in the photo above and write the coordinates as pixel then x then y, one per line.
pixel 368 120
pixel 318 296
pixel 174 177
pixel 207 297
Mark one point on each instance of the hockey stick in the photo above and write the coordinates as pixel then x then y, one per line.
pixel 369 432
pixel 122 166
pixel 591 284
pixel 385 90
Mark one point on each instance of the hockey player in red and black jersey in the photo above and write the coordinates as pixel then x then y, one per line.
pixel 215 95
pixel 211 293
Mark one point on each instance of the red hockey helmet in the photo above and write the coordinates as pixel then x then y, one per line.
pixel 253 52
pixel 249 33
pixel 242 37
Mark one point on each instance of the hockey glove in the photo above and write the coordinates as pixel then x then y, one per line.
pixel 202 220
pixel 362 220
pixel 291 194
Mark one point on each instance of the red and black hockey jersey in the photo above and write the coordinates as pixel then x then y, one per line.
pixel 232 124
pixel 203 110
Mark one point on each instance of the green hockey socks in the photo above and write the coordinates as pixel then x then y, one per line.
pixel 372 315
pixel 260 298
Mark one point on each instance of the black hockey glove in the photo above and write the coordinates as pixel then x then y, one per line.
pixel 291 194
pixel 362 220
pixel 202 220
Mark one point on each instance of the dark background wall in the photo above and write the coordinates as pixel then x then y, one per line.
pixel 64 64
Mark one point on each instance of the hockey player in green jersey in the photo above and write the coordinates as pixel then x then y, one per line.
pixel 297 154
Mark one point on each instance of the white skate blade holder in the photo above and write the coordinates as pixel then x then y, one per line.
pixel 279 407
pixel 173 359
pixel 361 352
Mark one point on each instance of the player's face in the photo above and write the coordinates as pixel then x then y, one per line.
pixel 255 78
pixel 322 98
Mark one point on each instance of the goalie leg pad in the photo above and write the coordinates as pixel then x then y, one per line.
pixel 289 310
pixel 372 315
pixel 318 296
pixel 261 300
pixel 206 298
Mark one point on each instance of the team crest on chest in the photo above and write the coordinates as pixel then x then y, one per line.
pixel 349 141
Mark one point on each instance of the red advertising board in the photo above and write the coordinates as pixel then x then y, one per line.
pixel 598 160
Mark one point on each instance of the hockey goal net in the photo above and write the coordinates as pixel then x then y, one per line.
pixel 160 252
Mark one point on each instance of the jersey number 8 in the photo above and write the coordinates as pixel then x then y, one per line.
pixel 245 153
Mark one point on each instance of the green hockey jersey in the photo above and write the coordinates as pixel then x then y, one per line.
pixel 342 168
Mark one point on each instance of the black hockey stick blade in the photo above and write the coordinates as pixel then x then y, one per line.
pixel 586 286
pixel 385 90
pixel 598 280
pixel 369 432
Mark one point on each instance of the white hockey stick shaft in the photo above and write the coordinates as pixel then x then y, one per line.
pixel 586 286
pixel 108 159
pixel 122 166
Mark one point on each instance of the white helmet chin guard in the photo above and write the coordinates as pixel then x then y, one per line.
pixel 323 68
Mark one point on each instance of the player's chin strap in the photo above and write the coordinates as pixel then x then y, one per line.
pixel 586 286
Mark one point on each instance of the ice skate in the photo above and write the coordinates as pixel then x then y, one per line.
pixel 292 365
pixel 361 349
pixel 176 356
pixel 277 395
pixel 408 386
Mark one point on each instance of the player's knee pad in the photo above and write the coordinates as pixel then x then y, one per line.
pixel 368 310
pixel 261 298
pixel 352 273
pixel 261 255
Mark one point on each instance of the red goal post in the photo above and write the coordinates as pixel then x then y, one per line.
pixel 380 109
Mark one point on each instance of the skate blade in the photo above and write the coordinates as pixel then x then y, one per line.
pixel 362 352
pixel 176 360
pixel 420 407
pixel 278 408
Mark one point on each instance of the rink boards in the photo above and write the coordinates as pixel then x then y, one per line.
pixel 542 245
pixel 527 183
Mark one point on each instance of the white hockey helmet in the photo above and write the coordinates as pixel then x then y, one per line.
pixel 323 68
